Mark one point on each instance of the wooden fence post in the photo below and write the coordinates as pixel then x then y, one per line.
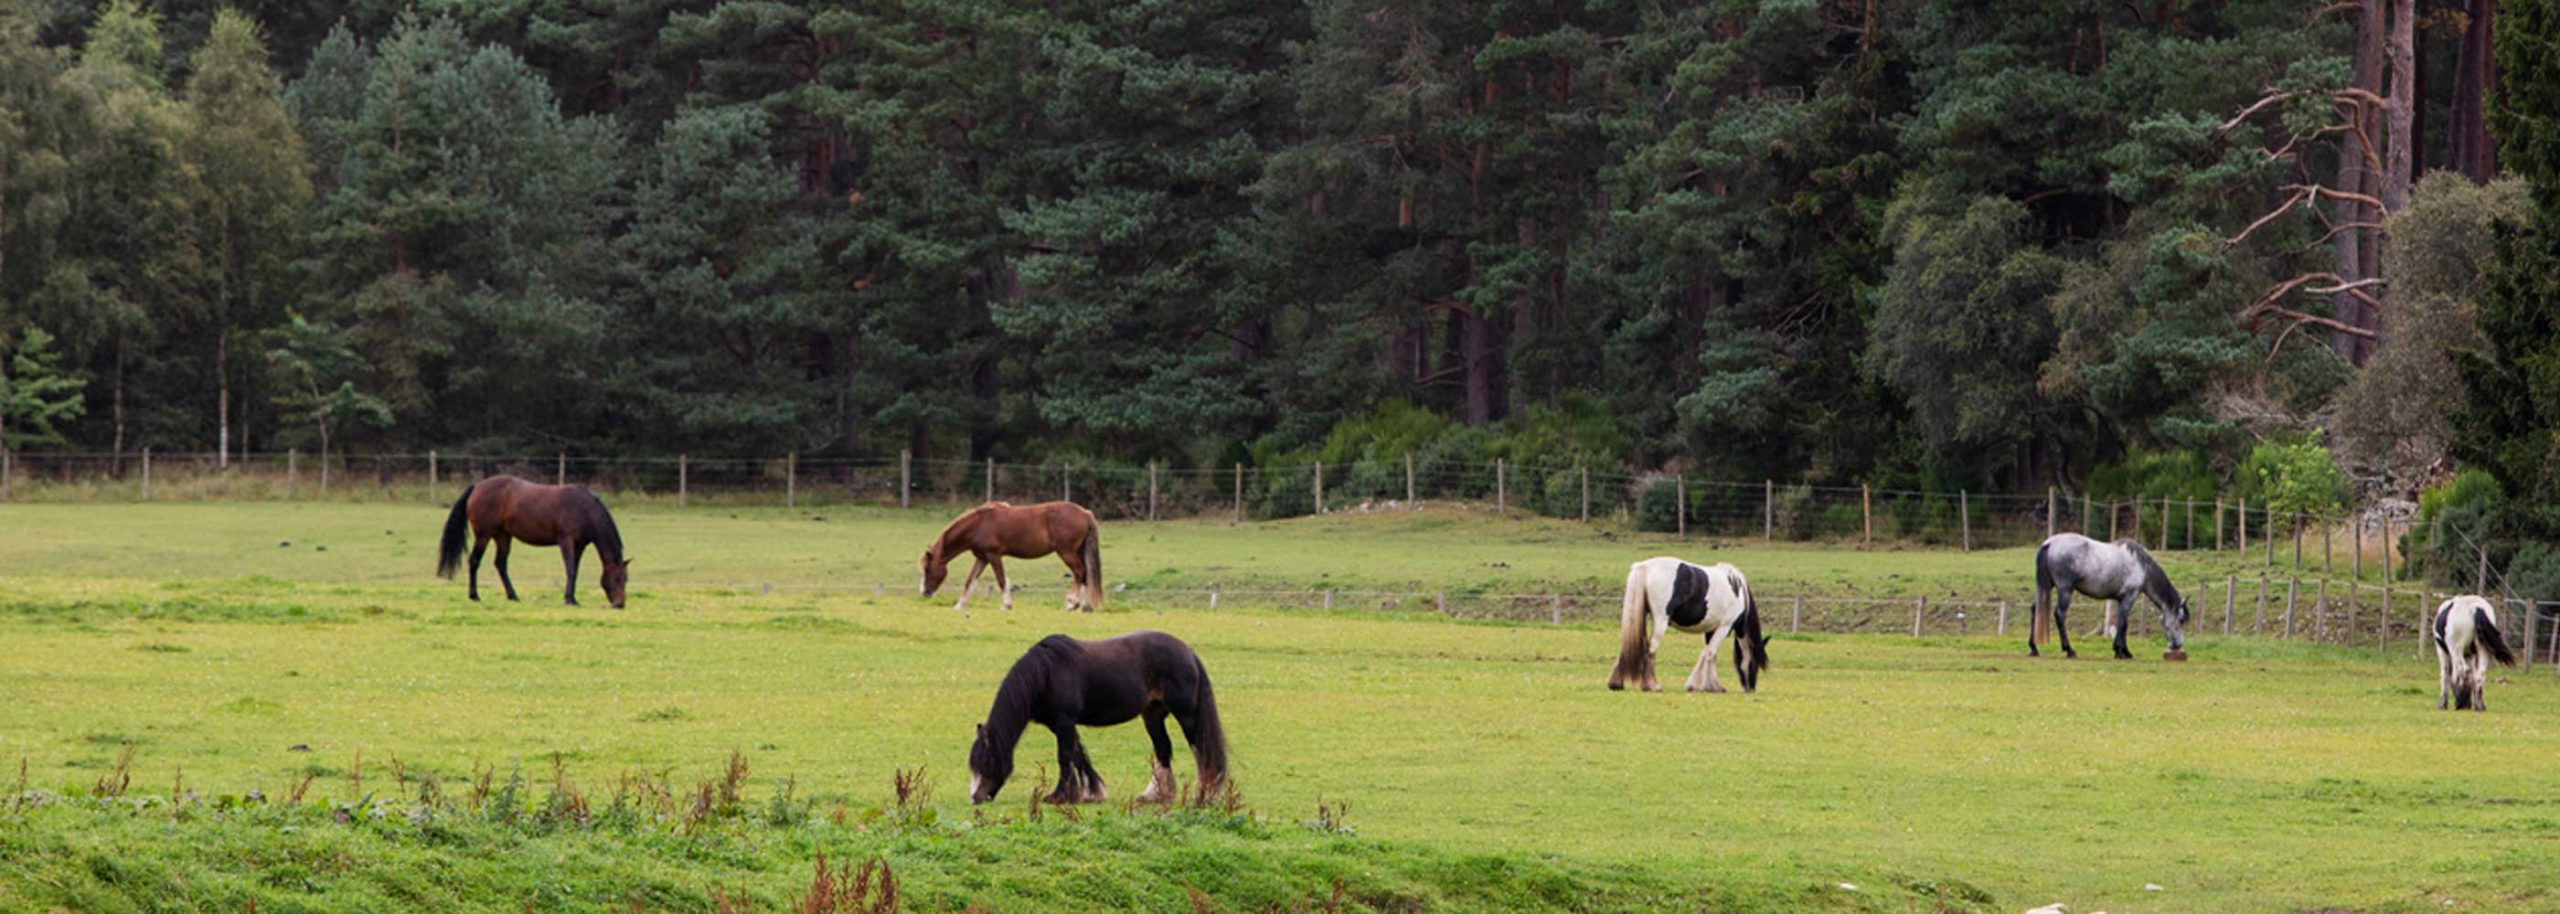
pixel 2191 525
pixel 1151 490
pixel 434 479
pixel 2004 618
pixel 1501 489
pixel 2292 590
pixel 791 480
pixel 906 474
pixel 2217 523
pixel 2262 604
pixel 1239 493
pixel 1555 608
pixel 324 472
pixel 2086 520
pixel 1408 478
pixel 1328 599
pixel 292 470
pixel 2320 612
pixel 2244 527
pixel 1213 596
pixel 2357 564
pixel 991 480
pixel 1964 516
pixel 2530 617
pixel 1319 471
pixel 1067 482
pixel 2297 541
pixel 2269 535
pixel 146 474
pixel 2328 554
pixel 1919 611
pixel 1680 499
pixel 2164 522
pixel 1795 617
pixel 2230 596
pixel 1768 510
pixel 562 477
pixel 1586 494
pixel 681 481
pixel 2051 495
pixel 1867 511
pixel 2387 570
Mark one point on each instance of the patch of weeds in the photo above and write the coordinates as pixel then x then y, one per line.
pixel 665 714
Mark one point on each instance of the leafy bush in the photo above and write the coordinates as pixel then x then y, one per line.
pixel 2176 474
pixel 1796 517
pixel 1287 494
pixel 2287 477
pixel 2535 572
pixel 1561 495
pixel 1658 505
pixel 2452 516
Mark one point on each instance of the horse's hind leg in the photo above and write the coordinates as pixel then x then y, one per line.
pixel 1160 785
pixel 480 544
pixel 2061 620
pixel 1003 587
pixel 1076 598
pixel 505 544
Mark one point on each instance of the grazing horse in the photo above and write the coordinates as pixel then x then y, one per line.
pixel 2069 563
pixel 2467 639
pixel 1062 682
pixel 995 530
pixel 507 509
pixel 1666 593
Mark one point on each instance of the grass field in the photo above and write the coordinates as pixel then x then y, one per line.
pixel 1483 766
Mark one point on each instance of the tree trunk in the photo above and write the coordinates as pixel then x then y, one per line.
pixel 2355 177
pixel 2469 148
pixel 2400 108
pixel 222 383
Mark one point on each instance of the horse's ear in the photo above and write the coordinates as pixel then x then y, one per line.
pixel 982 731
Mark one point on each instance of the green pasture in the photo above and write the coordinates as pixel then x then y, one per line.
pixel 1471 766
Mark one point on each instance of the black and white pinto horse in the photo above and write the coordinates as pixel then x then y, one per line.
pixel 2069 563
pixel 1062 683
pixel 1666 593
pixel 2467 639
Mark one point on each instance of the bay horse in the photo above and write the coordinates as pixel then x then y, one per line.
pixel 1062 683
pixel 1665 593
pixel 2467 640
pixel 507 509
pixel 996 530
pixel 2068 563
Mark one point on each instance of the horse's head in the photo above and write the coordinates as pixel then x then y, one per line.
pixel 988 768
pixel 617 575
pixel 935 569
pixel 2173 620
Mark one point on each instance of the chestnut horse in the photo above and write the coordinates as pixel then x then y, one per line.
pixel 995 530
pixel 507 509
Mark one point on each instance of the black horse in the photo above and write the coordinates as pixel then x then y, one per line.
pixel 1062 682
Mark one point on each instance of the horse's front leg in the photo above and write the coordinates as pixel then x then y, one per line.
pixel 2123 615
pixel 1077 783
pixel 504 546
pixel 479 545
pixel 1703 679
pixel 970 587
pixel 570 550
pixel 2062 621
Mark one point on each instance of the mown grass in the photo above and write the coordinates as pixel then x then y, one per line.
pixel 1483 766
pixel 857 548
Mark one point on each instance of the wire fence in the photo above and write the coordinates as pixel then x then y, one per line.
pixel 2297 593
pixel 2316 610
pixel 1728 509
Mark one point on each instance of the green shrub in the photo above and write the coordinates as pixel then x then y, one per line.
pixel 2452 517
pixel 2176 474
pixel 1797 518
pixel 1287 494
pixel 2289 477
pixel 1658 505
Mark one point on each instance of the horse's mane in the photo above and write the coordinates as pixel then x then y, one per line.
pixel 943 539
pixel 2153 575
pixel 1023 684
pixel 600 529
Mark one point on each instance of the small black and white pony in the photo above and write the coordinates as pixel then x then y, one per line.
pixel 1062 683
pixel 2069 563
pixel 1665 593
pixel 2467 639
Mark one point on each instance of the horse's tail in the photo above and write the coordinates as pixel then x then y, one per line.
pixel 1209 742
pixel 456 525
pixel 1751 648
pixel 1093 568
pixel 1631 631
pixel 2042 626
pixel 2486 627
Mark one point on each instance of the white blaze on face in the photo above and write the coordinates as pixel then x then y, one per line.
pixel 974 782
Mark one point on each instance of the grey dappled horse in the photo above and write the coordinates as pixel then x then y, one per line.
pixel 2069 563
